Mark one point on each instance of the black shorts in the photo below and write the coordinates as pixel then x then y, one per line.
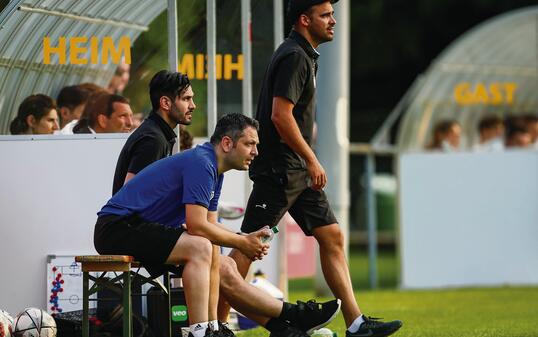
pixel 272 196
pixel 148 242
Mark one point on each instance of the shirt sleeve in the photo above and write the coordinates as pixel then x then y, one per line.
pixel 291 77
pixel 198 185
pixel 146 151
pixel 213 205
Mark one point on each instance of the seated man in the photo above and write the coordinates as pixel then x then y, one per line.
pixel 105 113
pixel 71 101
pixel 144 218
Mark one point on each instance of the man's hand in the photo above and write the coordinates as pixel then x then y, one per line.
pixel 253 247
pixel 317 174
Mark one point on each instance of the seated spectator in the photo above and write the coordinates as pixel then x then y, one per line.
pixel 531 124
pixel 119 81
pixel 446 136
pixel 105 113
pixel 91 88
pixel 517 134
pixel 71 101
pixel 37 115
pixel 491 130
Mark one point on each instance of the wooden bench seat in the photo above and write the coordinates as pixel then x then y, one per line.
pixel 120 284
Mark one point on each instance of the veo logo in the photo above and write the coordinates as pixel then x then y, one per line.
pixel 179 313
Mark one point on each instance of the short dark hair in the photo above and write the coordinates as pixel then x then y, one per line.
pixel 232 125
pixel 298 7
pixel 100 103
pixel 490 122
pixel 72 96
pixel 37 105
pixel 166 83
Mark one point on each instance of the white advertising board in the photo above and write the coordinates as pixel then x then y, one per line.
pixel 468 219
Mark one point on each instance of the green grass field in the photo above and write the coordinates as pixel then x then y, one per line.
pixel 477 312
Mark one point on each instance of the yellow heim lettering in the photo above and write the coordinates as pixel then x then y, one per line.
pixel 78 49
pixel 493 94
pixel 195 66
pixel 48 50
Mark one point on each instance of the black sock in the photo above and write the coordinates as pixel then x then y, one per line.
pixel 288 312
pixel 275 324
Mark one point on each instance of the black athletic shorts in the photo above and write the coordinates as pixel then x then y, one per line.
pixel 148 242
pixel 274 195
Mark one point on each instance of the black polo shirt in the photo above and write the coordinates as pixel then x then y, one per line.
pixel 151 141
pixel 290 74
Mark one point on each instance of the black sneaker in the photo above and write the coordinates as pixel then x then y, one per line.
pixel 288 331
pixel 224 331
pixel 312 315
pixel 373 327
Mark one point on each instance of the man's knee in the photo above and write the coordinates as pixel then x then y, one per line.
pixel 200 248
pixel 330 236
pixel 229 276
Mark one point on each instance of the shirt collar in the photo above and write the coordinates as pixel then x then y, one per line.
pixel 168 131
pixel 313 53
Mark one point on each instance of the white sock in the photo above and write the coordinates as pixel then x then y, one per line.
pixel 355 326
pixel 198 329
pixel 214 325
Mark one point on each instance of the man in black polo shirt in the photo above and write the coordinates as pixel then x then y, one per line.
pixel 287 175
pixel 172 102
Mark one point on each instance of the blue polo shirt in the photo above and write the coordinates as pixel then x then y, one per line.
pixel 160 192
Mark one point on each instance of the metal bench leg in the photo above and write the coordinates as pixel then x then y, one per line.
pixel 85 305
pixel 127 314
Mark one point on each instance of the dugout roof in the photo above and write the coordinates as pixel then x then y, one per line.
pixel 491 69
pixel 25 23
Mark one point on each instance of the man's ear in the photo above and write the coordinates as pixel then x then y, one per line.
pixel 65 113
pixel 227 144
pixel 102 121
pixel 304 20
pixel 165 103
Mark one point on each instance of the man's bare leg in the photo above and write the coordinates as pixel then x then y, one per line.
pixel 336 270
pixel 214 284
pixel 243 264
pixel 243 296
pixel 195 253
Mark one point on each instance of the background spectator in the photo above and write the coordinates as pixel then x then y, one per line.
pixel 517 134
pixel 119 81
pixel 446 136
pixel 36 115
pixel 105 113
pixel 91 88
pixel 491 130
pixel 531 124
pixel 71 101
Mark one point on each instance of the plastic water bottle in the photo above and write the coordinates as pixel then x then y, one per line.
pixel 268 238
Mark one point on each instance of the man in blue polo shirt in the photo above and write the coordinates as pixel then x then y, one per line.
pixel 144 218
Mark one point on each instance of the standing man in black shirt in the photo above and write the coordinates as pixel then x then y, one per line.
pixel 172 104
pixel 287 175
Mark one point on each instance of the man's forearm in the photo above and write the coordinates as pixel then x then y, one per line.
pixel 287 128
pixel 217 234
